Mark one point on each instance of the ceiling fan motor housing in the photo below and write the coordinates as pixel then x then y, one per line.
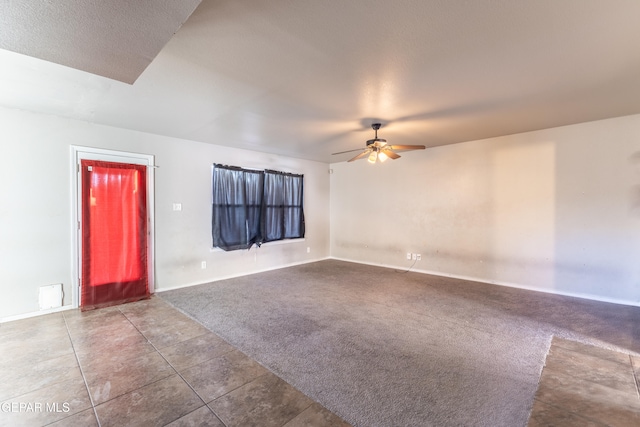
pixel 374 140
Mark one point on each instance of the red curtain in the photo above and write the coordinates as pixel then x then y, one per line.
pixel 114 233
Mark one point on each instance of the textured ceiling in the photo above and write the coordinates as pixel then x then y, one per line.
pixel 116 38
pixel 305 78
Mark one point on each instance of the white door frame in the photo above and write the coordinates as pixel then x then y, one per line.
pixel 79 153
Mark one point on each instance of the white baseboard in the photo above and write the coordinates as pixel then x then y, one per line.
pixel 434 273
pixel 35 313
pixel 233 276
pixel 499 283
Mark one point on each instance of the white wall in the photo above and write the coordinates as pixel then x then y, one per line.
pixel 556 210
pixel 35 211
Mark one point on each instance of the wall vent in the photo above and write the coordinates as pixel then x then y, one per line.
pixel 50 296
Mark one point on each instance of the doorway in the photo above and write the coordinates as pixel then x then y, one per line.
pixel 114 242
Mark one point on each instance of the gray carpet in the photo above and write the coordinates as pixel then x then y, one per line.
pixel 384 348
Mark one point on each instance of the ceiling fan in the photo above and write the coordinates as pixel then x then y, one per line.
pixel 378 150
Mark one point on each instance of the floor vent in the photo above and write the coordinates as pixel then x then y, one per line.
pixel 50 296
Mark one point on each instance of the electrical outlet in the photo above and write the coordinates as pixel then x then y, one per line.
pixel 203 264
pixel 414 256
pixel 418 257
pixel 408 255
pixel 308 249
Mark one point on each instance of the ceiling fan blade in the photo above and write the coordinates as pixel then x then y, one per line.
pixel 407 147
pixel 365 153
pixel 390 154
pixel 348 151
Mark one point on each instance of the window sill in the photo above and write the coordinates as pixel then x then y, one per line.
pixel 268 244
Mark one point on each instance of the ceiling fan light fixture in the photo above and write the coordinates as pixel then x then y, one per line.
pixel 378 149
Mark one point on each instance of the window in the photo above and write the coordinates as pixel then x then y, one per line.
pixel 253 207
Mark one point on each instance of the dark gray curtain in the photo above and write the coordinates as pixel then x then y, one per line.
pixel 237 205
pixel 283 215
pixel 252 207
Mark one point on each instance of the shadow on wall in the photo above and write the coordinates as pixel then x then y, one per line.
pixel 523 211
pixel 597 206
pixel 634 193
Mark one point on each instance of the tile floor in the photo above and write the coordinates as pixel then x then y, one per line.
pixel 584 386
pixel 139 364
